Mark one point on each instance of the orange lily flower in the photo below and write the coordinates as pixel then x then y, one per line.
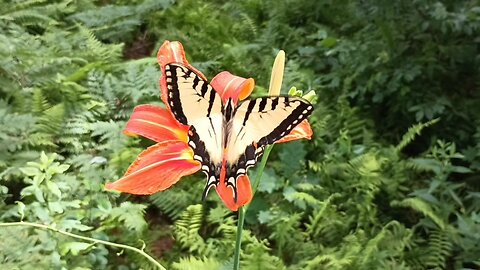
pixel 163 164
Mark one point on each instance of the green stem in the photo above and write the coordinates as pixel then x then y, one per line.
pixel 93 240
pixel 238 241
pixel 258 177
pixel 243 210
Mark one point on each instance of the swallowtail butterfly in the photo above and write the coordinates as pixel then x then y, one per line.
pixel 224 136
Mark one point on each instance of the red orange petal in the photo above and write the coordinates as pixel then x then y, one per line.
pixel 171 52
pixel 244 193
pixel 157 168
pixel 155 123
pixel 302 131
pixel 228 86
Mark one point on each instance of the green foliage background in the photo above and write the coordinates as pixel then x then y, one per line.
pixel 391 179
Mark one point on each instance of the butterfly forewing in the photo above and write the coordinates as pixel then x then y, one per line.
pixel 195 103
pixel 257 123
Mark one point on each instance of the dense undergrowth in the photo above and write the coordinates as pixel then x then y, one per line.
pixel 391 179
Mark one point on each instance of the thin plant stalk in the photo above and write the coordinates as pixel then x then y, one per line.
pixel 238 240
pixel 274 90
pixel 242 210
pixel 93 240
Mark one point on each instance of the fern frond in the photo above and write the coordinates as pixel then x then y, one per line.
pixel 51 120
pixel 101 51
pixel 175 201
pixel 28 17
pixel 367 165
pixel 187 228
pixel 425 165
pixel 39 101
pixel 439 250
pixel 257 258
pixel 20 249
pixel 328 261
pixel 36 12
pixel 370 253
pixel 313 226
pixel 422 207
pixel 193 263
pixel 250 23
pixel 131 215
pixel 413 132
pixel 110 133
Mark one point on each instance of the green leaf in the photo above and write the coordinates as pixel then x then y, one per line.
pixel 289 194
pixel 43 158
pixel 38 179
pixel 21 209
pixel 328 42
pixel 53 187
pixel 291 155
pixel 41 212
pixel 311 96
pixel 460 169
pixel 427 164
pixel 55 207
pixel 38 194
pixel 74 247
pixel 73 224
pixel 269 181
pixel 265 217
pixel 30 171
pixel 62 168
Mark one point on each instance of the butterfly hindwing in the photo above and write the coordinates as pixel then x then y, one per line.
pixel 195 103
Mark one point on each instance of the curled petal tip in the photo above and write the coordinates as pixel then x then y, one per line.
pixel 246 88
pixel 171 52
pixel 231 86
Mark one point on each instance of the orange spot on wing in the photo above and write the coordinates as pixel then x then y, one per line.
pixel 302 131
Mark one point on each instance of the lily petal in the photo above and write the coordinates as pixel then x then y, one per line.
pixel 172 52
pixel 157 168
pixel 302 131
pixel 228 86
pixel 155 123
pixel 244 193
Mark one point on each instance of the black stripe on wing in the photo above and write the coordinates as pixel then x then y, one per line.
pixel 173 97
pixel 248 159
pixel 302 110
pixel 185 83
pixel 201 155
